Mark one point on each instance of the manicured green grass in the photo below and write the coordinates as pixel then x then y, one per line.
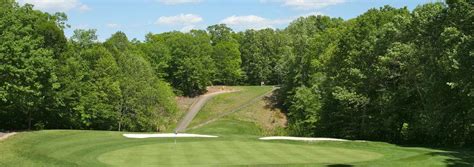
pixel 101 148
pixel 237 144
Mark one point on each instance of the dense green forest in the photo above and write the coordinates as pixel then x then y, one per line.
pixel 389 74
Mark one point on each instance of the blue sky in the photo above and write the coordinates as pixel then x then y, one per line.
pixel 139 17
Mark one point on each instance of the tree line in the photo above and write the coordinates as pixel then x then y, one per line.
pixel 389 74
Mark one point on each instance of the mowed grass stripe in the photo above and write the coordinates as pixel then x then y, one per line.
pixel 173 157
pixel 219 153
pixel 77 146
pixel 278 155
pixel 243 153
pixel 256 150
pixel 295 155
pixel 316 154
pixel 201 153
pixel 232 152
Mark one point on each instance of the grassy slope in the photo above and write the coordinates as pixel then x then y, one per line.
pixel 237 145
pixel 227 102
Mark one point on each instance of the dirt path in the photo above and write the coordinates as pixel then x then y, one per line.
pixel 194 109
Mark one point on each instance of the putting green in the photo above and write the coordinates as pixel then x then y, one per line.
pixel 232 153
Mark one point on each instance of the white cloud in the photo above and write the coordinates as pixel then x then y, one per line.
pixel 182 22
pixel 253 22
pixel 177 2
pixel 56 5
pixel 311 4
pixel 306 4
pixel 181 19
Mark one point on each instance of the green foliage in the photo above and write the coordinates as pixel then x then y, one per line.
pixel 226 56
pixel 48 82
pixel 394 75
pixel 305 110
pixel 90 90
pixel 27 55
pixel 146 102
pixel 220 33
pixel 191 67
pixel 84 38
pixel 263 54
pixel 157 53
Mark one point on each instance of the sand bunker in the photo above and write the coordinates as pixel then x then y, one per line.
pixel 164 135
pixel 4 136
pixel 300 138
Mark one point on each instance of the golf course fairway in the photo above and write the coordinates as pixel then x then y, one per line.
pixel 98 148
pixel 237 144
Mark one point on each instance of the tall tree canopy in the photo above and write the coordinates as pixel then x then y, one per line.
pixel 263 53
pixel 191 68
pixel 50 82
pixel 29 43
pixel 226 55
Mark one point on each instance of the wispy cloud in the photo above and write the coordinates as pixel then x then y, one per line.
pixel 57 5
pixel 178 2
pixel 113 25
pixel 258 22
pixel 181 19
pixel 253 22
pixel 84 8
pixel 306 4
pixel 80 26
pixel 182 22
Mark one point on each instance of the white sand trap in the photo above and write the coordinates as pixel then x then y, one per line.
pixel 164 135
pixel 4 136
pixel 300 138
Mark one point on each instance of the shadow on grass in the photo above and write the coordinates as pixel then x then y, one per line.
pixel 457 157
pixel 339 165
pixel 461 156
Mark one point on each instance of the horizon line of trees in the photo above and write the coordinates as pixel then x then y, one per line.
pixel 389 74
